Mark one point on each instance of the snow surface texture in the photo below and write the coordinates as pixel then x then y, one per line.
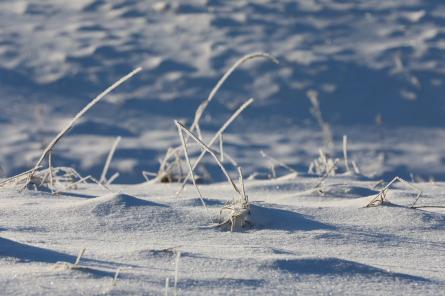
pixel 377 68
pixel 297 244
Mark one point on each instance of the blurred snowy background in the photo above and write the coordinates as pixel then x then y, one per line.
pixel 377 67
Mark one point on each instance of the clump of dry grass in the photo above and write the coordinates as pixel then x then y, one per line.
pixel 323 165
pixel 29 177
pixel 214 139
pixel 173 165
pixel 236 211
pixel 326 166
pixel 54 179
pixel 380 198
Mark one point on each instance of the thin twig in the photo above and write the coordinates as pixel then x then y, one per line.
pixel 73 121
pixel 116 274
pixel 200 110
pixel 175 284
pixel 326 175
pixel 206 148
pixel 274 161
pixel 215 137
pixel 82 251
pixel 184 146
pixel 113 178
pixel 221 148
pixel 73 184
pixel 345 152
pixel 103 176
pixel 167 284
pixel 380 198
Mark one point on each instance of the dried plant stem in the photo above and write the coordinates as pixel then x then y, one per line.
pixel 113 178
pixel 326 175
pixel 74 184
pixel 324 126
pixel 146 174
pixel 175 283
pixel 200 110
pixel 215 138
pixel 221 148
pixel 116 274
pixel 167 284
pixel 184 146
pixel 73 121
pixel 345 153
pixel 50 171
pixel 380 198
pixel 355 167
pixel 206 148
pixel 79 256
pixel 10 179
pixel 103 176
pixel 274 161
pixel 243 188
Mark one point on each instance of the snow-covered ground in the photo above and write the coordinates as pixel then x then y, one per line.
pixel 299 243
pixel 377 69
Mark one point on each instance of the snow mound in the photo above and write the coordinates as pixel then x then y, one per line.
pixel 347 191
pixel 114 203
pixel 265 217
pixel 332 266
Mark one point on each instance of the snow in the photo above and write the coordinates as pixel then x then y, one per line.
pixel 377 70
pixel 309 244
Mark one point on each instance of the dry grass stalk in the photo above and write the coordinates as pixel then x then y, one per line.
pixel 50 171
pixel 113 178
pixel 103 177
pixel 116 274
pixel 238 208
pixel 73 121
pixel 175 283
pixel 201 108
pixel 274 162
pixel 325 128
pixel 170 168
pixel 355 167
pixel 147 175
pixel 167 285
pixel 74 184
pixel 210 151
pixel 167 169
pixel 184 146
pixel 17 179
pixel 221 148
pixel 66 265
pixel 327 174
pixel 345 153
pixel 323 164
pixel 381 196
pixel 215 138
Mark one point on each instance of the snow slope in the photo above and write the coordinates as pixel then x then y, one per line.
pixel 297 244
